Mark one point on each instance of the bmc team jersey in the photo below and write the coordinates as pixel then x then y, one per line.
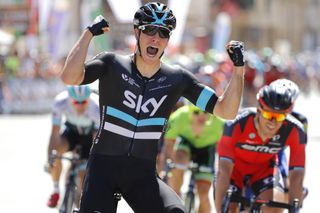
pixel 134 109
pixel 180 125
pixel 64 112
pixel 241 143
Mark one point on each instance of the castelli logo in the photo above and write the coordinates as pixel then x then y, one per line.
pixel 162 79
pixel 252 135
pixel 125 77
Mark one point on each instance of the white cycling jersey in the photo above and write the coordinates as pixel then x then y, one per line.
pixel 64 111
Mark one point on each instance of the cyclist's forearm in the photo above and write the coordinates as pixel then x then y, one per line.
pixel 73 70
pixel 54 140
pixel 222 182
pixel 296 185
pixel 221 187
pixel 169 148
pixel 228 104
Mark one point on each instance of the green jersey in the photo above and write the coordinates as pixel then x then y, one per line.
pixel 179 124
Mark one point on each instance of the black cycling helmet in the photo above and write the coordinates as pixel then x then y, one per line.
pixel 155 13
pixel 280 95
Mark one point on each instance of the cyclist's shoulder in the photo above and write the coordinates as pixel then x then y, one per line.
pixel 61 99
pixel 177 71
pixel 300 116
pixel 111 58
pixel 244 114
pixel 104 56
pixel 294 122
pixel 94 98
pixel 181 113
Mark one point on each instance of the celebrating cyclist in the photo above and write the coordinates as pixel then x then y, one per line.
pixel 194 134
pixel 75 120
pixel 137 93
pixel 250 143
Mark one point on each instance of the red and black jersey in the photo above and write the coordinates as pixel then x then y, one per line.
pixel 241 143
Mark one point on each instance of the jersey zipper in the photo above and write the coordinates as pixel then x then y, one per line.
pixel 144 81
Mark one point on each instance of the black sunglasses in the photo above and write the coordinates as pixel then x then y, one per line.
pixel 151 30
pixel 197 112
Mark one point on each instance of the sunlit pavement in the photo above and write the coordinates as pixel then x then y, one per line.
pixel 25 187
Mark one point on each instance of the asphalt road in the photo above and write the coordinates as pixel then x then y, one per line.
pixel 25 187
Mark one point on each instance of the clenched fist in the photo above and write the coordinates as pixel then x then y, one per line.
pixel 235 50
pixel 98 25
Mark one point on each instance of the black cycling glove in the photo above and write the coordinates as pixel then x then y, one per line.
pixel 96 27
pixel 235 50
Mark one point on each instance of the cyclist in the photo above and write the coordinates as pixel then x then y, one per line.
pixel 250 143
pixel 75 120
pixel 132 119
pixel 194 134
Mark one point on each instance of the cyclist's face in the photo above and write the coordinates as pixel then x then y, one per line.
pixel 80 107
pixel 199 116
pixel 152 46
pixel 268 125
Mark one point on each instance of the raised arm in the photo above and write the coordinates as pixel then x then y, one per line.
pixel 229 102
pixel 73 70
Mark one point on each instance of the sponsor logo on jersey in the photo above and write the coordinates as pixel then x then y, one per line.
pixel 162 79
pixel 276 137
pixel 135 102
pixel 129 80
pixel 260 148
pixel 252 135
pixel 275 140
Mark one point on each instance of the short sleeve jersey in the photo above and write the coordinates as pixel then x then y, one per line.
pixel 63 111
pixel 241 142
pixel 135 109
pixel 180 125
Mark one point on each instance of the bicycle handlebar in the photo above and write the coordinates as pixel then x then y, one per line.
pixel 54 155
pixel 191 166
pixel 256 203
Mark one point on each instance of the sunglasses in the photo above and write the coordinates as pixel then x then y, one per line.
pixel 197 112
pixel 151 30
pixel 79 102
pixel 270 115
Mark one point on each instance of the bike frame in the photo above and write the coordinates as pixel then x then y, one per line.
pixel 193 168
pixel 70 194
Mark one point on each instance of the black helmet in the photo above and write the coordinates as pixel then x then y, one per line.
pixel 155 13
pixel 280 95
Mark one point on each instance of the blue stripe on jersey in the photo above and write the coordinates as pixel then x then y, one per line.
pixel 204 97
pixel 56 122
pixel 128 118
pixel 121 115
pixel 151 122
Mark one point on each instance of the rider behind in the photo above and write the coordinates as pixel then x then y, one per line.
pixel 137 93
pixel 75 120
pixel 250 144
pixel 194 134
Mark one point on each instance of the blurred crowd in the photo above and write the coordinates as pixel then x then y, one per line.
pixel 29 82
pixel 262 67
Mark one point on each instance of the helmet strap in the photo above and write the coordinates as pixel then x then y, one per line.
pixel 138 43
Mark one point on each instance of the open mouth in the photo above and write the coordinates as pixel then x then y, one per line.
pixel 152 51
